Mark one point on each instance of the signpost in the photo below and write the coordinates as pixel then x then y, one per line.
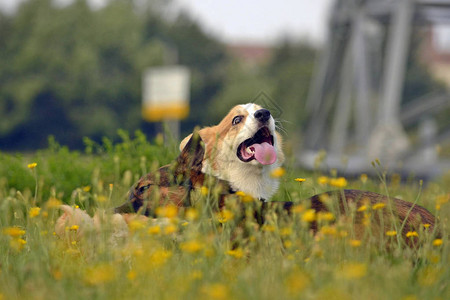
pixel 165 96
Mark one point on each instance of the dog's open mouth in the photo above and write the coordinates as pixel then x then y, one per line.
pixel 259 147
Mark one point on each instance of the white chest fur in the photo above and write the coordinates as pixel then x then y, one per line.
pixel 255 180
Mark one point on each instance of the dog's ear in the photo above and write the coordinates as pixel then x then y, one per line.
pixel 191 156
pixel 185 141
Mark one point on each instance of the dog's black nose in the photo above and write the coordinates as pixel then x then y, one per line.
pixel 262 115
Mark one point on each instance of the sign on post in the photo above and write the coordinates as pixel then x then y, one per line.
pixel 165 93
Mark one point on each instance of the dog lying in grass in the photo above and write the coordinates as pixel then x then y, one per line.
pixel 240 154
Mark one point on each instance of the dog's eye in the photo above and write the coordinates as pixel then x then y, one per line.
pixel 144 188
pixel 237 120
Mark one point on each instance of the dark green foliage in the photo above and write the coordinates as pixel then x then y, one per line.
pixel 73 72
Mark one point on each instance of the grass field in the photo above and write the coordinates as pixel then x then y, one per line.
pixel 198 253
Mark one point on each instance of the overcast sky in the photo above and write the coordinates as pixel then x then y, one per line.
pixel 260 21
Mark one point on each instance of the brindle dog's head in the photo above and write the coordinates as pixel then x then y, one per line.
pixel 169 184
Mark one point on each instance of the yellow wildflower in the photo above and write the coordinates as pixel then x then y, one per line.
pixel 325 198
pixel 86 188
pixel 131 275
pixel 53 203
pixel 17 244
pixel 285 231
pixel 225 215
pixel 236 253
pixel 309 215
pixel 193 246
pixel 343 233
pixel 168 211
pixel 437 242
pixel 159 257
pixel 34 212
pixel 391 233
pixel 322 180
pixel 366 219
pixel 216 291
pixel 169 229
pixel 442 199
pixel 135 225
pixel 297 282
pixel 428 276
pixel 362 208
pixel 328 230
pixel 411 234
pixel 240 193
pixel 196 275
pixel 57 274
pixel 74 227
pixel 339 182
pixel 355 243
pixel 325 216
pixel 426 225
pixel 287 244
pixel 353 270
pixel 204 191
pixel 154 229
pixel 191 214
pixel 100 274
pixel 102 198
pixel 14 232
pixel 297 209
pixel 32 166
pixel 278 172
pixel 363 178
pixel 378 205
pixel 300 179
pixel 268 228
pixel 246 198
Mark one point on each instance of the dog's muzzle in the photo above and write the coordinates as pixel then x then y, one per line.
pixel 259 147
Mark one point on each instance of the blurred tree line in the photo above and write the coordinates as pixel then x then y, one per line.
pixel 74 71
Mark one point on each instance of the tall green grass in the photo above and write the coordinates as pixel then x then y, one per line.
pixel 199 252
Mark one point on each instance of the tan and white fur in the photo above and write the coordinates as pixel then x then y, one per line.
pixel 223 143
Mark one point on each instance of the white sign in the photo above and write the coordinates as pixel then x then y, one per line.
pixel 165 93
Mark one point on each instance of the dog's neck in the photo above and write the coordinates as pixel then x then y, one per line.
pixel 255 180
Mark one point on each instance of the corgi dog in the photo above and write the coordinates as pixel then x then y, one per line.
pixel 243 150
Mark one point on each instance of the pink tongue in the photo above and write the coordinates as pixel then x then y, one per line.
pixel 264 153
